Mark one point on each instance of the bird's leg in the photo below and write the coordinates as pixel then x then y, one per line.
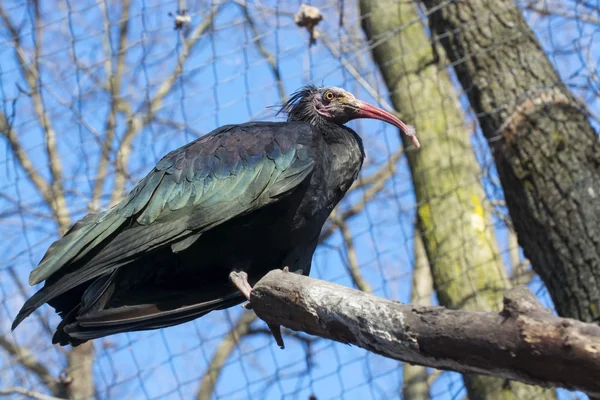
pixel 240 281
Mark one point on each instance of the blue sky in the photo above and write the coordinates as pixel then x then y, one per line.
pixel 226 80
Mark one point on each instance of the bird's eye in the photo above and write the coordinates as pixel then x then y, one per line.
pixel 329 95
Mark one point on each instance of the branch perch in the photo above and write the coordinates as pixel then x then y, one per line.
pixel 524 342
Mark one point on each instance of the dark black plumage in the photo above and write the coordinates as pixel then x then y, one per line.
pixel 250 197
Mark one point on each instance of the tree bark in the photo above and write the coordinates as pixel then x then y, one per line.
pixel 80 372
pixel 454 220
pixel 523 342
pixel 546 152
pixel 414 382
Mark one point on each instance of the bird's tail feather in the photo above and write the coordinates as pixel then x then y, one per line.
pixel 75 330
pixel 93 229
pixel 49 292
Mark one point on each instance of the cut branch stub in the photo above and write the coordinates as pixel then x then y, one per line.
pixel 524 342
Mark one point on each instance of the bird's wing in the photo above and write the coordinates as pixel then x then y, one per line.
pixel 230 172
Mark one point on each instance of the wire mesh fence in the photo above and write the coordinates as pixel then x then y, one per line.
pixel 95 93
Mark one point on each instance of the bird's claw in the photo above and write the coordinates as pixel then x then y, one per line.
pixel 276 332
pixel 298 271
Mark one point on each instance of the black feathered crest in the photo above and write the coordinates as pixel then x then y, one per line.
pixel 299 106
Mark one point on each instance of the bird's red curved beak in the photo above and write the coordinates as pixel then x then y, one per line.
pixel 366 110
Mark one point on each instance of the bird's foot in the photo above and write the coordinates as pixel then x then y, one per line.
pixel 240 281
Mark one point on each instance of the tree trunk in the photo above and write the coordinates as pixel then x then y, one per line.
pixel 80 373
pixel 456 226
pixel 414 377
pixel 546 152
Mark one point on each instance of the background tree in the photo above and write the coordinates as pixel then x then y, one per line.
pixel 94 94
pixel 546 151
pixel 453 216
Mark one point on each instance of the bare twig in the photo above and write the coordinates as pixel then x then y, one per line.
pixel 557 9
pixel 31 72
pixel 179 126
pixel 352 262
pixel 358 76
pixel 263 50
pixel 383 174
pixel 521 272
pixel 30 362
pixel 25 162
pixel 24 208
pixel 138 122
pixel 241 328
pixel 114 77
pixel 28 393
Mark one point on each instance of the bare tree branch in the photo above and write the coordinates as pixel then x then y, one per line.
pixel 522 272
pixel 114 77
pixel 25 162
pixel 352 262
pixel 524 342
pixel 241 328
pixel 30 362
pixel 547 9
pixel 31 209
pixel 31 72
pixel 383 174
pixel 263 50
pixel 138 122
pixel 179 126
pixel 28 393
pixel 358 76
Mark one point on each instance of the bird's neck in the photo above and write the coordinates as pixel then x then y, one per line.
pixel 334 134
pixel 340 135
